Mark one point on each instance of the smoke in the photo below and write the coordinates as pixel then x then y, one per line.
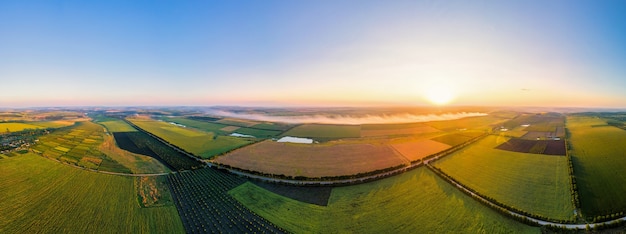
pixel 349 119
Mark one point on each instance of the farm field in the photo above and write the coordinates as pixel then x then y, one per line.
pixel 547 147
pixel 136 163
pixel 414 150
pixel 537 184
pixel 480 123
pixel 313 160
pixel 89 202
pixel 225 129
pixel 599 157
pixel 413 202
pixel 205 206
pixel 202 144
pixel 16 127
pixel 325 131
pixel 117 125
pixel 141 143
pixel 79 145
pixel 371 130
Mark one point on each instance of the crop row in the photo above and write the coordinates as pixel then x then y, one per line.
pixel 175 159
pixel 205 206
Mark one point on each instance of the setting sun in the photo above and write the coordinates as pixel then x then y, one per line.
pixel 439 95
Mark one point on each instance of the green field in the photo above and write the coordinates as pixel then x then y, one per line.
pixel 218 128
pixel 203 144
pixel 537 184
pixel 38 195
pixel 79 145
pixel 117 126
pixel 598 156
pixel 325 131
pixel 16 127
pixel 413 202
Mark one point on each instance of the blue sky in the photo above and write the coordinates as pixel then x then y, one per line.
pixel 524 53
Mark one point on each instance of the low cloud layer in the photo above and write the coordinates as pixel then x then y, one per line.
pixel 350 119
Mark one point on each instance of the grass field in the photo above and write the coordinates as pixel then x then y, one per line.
pixel 313 160
pixel 16 127
pixel 203 144
pixel 325 131
pixel 117 125
pixel 537 184
pixel 599 158
pixel 42 196
pixel 413 202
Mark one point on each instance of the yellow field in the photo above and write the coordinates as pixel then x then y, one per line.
pixel 418 149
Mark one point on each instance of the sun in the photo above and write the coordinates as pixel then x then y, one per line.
pixel 439 95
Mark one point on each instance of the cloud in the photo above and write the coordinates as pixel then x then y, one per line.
pixel 349 119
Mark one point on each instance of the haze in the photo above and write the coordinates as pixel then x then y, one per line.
pixel 329 53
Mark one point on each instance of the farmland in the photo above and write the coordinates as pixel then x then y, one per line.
pixel 56 198
pixel 141 143
pixel 536 184
pixel 480 123
pixel 16 127
pixel 313 160
pixel 325 131
pixel 202 144
pixel 257 130
pixel 117 125
pixel 78 145
pixel 414 150
pixel 416 201
pixel 598 155
pixel 371 130
pixel 204 205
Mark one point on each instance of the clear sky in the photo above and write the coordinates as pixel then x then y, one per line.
pixel 337 53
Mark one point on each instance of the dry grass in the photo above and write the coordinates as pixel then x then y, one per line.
pixel 418 149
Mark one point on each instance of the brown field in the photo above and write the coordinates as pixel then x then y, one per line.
pixel 406 131
pixel 418 149
pixel 541 135
pixel 229 128
pixel 313 160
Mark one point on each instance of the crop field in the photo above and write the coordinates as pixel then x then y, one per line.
pixel 548 147
pixel 16 127
pixel 325 131
pixel 79 145
pixel 205 206
pixel 417 149
pixel 219 128
pixel 39 195
pixel 141 143
pixel 117 126
pixel 312 160
pixel 137 163
pixel 533 183
pixel 599 158
pixel 480 123
pixel 202 144
pixel 413 202
pixel 370 130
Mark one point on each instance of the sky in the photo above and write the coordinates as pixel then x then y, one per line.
pixel 313 53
